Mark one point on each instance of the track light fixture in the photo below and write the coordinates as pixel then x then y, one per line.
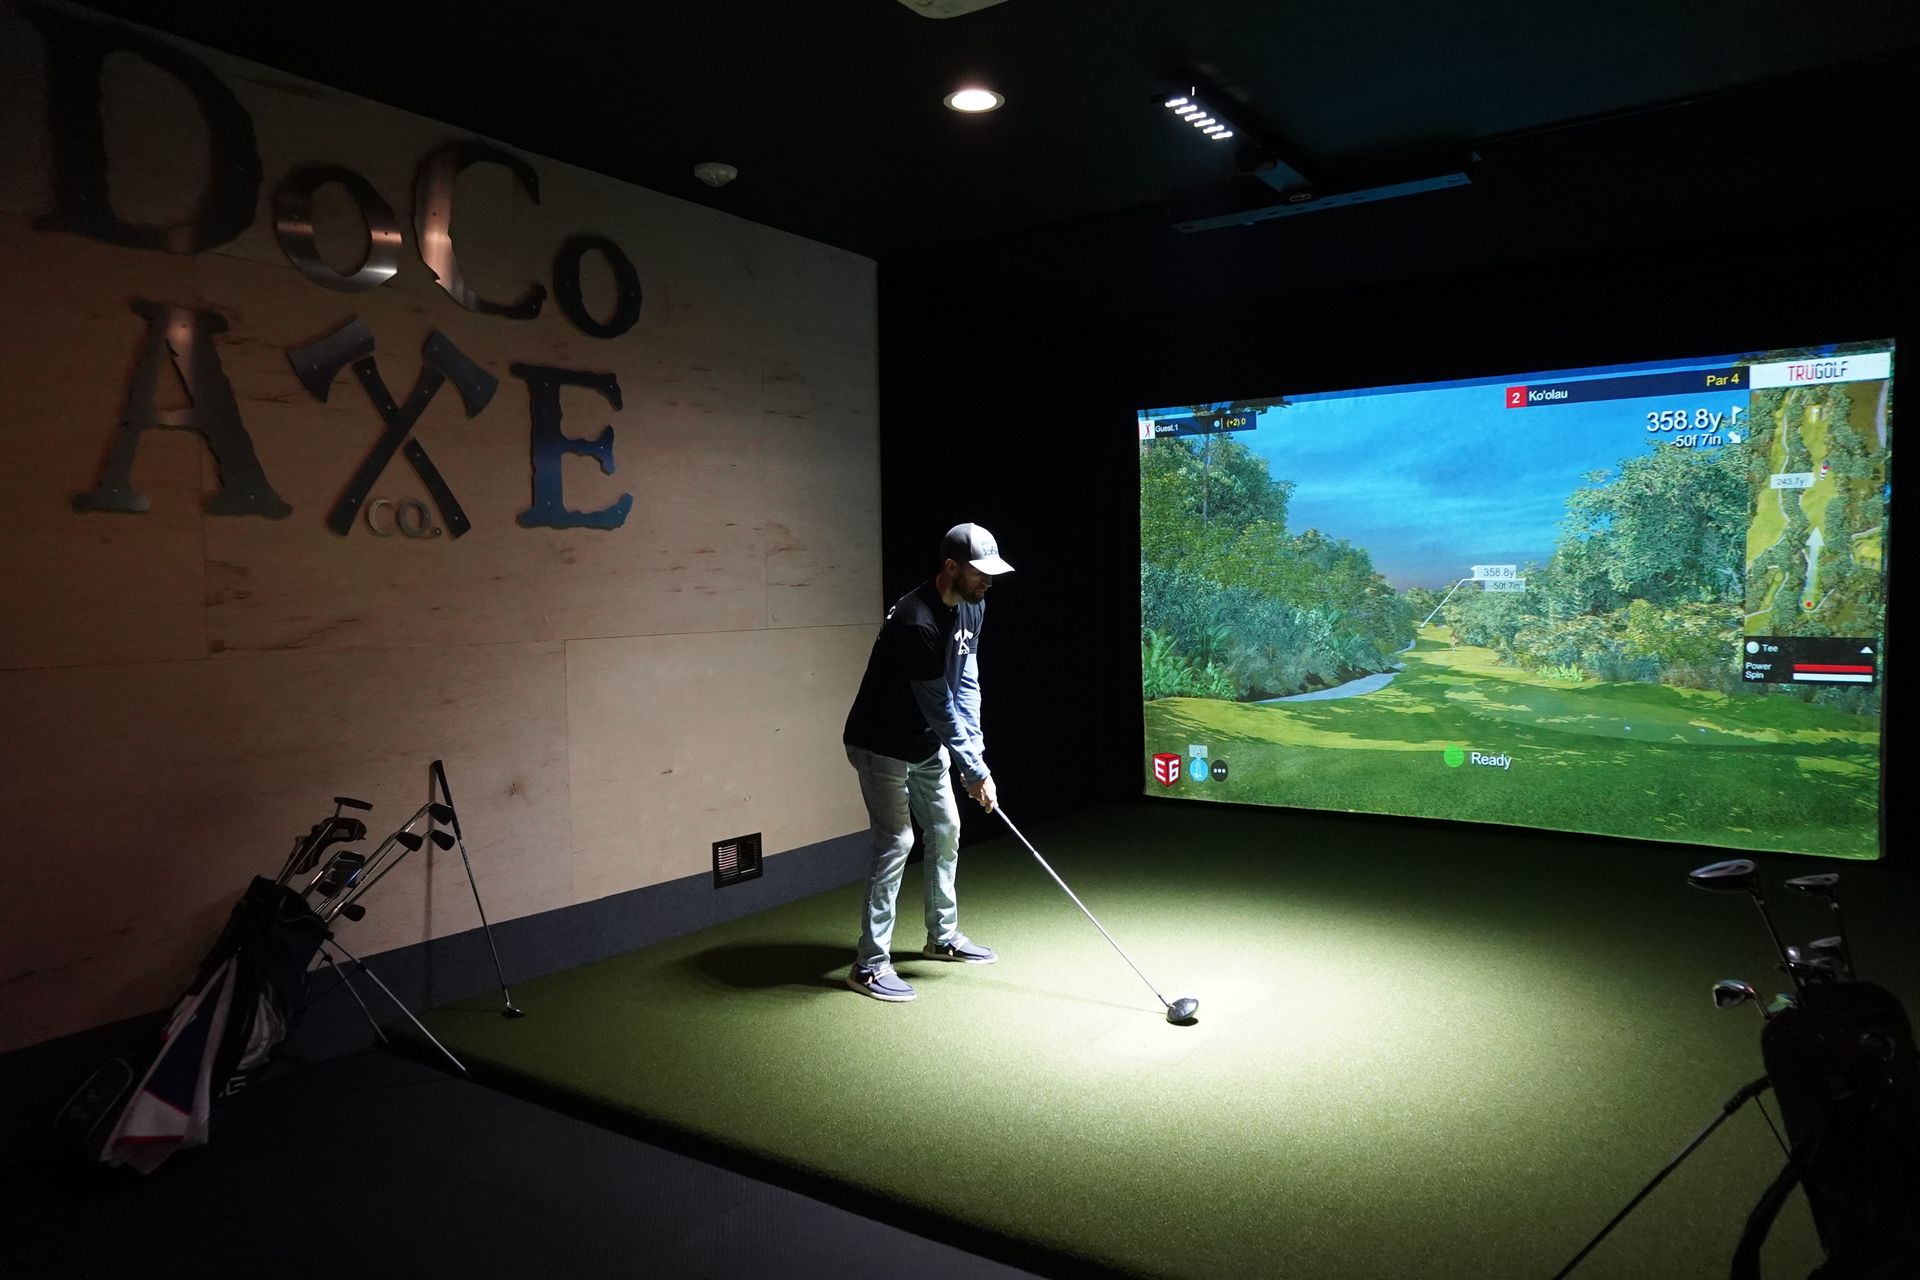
pixel 1205 120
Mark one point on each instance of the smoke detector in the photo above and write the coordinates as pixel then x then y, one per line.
pixel 714 173
pixel 948 8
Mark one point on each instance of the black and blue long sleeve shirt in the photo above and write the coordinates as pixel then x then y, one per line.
pixel 921 690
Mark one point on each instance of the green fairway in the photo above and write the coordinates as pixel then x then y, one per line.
pixel 1434 1054
pixel 1631 759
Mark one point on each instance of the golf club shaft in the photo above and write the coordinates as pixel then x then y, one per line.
pixel 446 795
pixel 1846 945
pixel 1793 972
pixel 376 866
pixel 1076 902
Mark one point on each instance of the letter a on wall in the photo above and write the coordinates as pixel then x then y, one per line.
pixel 186 338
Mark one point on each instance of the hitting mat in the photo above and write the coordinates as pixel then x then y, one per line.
pixel 1417 1054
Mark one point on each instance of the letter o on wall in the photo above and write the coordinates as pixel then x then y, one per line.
pixel 293 227
pixel 566 286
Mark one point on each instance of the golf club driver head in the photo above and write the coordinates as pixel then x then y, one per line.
pixel 1829 955
pixel 1823 885
pixel 1736 875
pixel 1739 875
pixel 1183 1010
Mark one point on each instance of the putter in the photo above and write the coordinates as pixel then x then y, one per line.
pixel 1826 887
pixel 1738 875
pixel 1179 1012
pixel 446 813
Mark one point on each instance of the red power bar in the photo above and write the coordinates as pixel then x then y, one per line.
pixel 1828 668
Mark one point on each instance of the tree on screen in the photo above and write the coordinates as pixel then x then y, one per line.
pixel 1251 609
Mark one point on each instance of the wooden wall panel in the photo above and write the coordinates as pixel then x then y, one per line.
pixel 822 507
pixel 182 692
pixel 159 790
pixel 98 587
pixel 679 741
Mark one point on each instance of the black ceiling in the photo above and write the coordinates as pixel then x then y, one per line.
pixel 831 109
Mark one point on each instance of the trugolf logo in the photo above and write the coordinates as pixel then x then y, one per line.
pixel 1166 768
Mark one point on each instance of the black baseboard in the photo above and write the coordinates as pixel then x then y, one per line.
pixel 36 1079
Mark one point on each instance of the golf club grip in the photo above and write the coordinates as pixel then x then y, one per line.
pixel 439 770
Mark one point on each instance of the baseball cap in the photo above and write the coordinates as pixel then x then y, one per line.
pixel 972 544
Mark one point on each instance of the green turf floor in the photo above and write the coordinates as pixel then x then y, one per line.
pixel 1419 1053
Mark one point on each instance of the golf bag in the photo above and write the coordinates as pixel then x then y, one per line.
pixel 1844 1067
pixel 240 1007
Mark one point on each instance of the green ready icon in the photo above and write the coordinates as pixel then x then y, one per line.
pixel 1454 756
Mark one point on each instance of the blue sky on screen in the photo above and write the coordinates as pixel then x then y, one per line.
pixel 1434 480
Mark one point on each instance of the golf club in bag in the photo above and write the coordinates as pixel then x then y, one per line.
pixel 244 1001
pixel 241 1005
pixel 1841 1060
pixel 1180 1012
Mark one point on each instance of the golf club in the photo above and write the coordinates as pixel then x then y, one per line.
pixel 1826 887
pixel 339 874
pixel 439 778
pixel 1738 875
pixel 333 829
pixel 1830 954
pixel 1179 1012
pixel 407 840
pixel 1730 993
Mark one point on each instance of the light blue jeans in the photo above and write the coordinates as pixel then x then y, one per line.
pixel 896 793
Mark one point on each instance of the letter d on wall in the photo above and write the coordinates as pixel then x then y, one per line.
pixel 76 54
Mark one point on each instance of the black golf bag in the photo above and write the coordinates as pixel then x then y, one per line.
pixel 241 1005
pixel 1844 1067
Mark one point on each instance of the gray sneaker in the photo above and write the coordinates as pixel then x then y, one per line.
pixel 959 947
pixel 881 984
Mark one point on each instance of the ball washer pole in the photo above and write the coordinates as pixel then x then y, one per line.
pixel 1179 1012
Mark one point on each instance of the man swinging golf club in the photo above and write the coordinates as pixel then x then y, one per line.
pixel 917 716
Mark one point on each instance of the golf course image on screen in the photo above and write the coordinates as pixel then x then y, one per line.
pixel 1641 600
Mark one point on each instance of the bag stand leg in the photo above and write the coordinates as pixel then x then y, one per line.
pixel 418 1025
pixel 355 993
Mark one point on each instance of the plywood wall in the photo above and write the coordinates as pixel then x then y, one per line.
pixel 183 692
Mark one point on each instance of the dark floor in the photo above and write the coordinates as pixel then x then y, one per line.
pixel 375 1165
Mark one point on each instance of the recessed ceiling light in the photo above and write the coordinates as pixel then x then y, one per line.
pixel 974 100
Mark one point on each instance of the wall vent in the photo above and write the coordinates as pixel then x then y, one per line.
pixel 736 860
